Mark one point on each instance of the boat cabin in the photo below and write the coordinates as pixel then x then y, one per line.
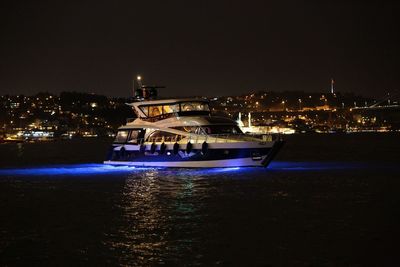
pixel 131 136
pixel 162 109
pixel 139 134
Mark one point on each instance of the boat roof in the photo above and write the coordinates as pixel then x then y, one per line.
pixel 167 101
pixel 138 126
pixel 183 121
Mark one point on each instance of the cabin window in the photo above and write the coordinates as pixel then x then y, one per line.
pixel 135 136
pixel 194 106
pixel 211 129
pixel 170 108
pixel 160 136
pixel 155 111
pixel 159 110
pixel 121 136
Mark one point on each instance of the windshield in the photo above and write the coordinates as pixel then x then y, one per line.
pixel 121 136
pixel 168 109
pixel 194 106
pixel 211 129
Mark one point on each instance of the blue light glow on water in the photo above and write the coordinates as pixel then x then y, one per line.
pixel 229 169
pixel 98 169
pixel 315 166
pixel 102 169
pixel 67 170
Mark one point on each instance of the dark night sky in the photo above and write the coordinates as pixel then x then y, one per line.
pixel 199 47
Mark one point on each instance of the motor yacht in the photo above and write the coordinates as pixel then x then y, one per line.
pixel 182 132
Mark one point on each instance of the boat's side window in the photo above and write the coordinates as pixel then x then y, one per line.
pixel 121 136
pixel 202 106
pixel 155 111
pixel 187 107
pixel 194 106
pixel 170 108
pixel 211 129
pixel 135 136
pixel 160 136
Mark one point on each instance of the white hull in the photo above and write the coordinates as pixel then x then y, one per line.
pixel 182 133
pixel 229 163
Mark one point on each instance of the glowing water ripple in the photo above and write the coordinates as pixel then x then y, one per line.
pixel 67 170
pixel 315 166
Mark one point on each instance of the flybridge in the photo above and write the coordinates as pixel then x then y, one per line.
pixel 171 107
pixel 147 107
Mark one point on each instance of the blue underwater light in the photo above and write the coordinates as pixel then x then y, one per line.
pixel 102 169
pixel 98 169
pixel 67 170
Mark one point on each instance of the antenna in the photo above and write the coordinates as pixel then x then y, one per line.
pixel 139 81
pixel 145 92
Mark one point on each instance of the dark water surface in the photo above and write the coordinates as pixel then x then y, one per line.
pixel 327 200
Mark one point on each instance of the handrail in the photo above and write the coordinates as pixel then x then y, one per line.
pixel 209 138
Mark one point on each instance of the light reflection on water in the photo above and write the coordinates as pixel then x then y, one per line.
pixel 160 212
pixel 143 214
pixel 160 216
pixel 164 213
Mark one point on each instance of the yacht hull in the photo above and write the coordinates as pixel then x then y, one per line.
pixel 258 155
pixel 241 162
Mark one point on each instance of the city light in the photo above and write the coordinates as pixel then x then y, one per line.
pixel 87 115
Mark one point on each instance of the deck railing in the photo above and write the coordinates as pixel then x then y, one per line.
pixel 210 138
